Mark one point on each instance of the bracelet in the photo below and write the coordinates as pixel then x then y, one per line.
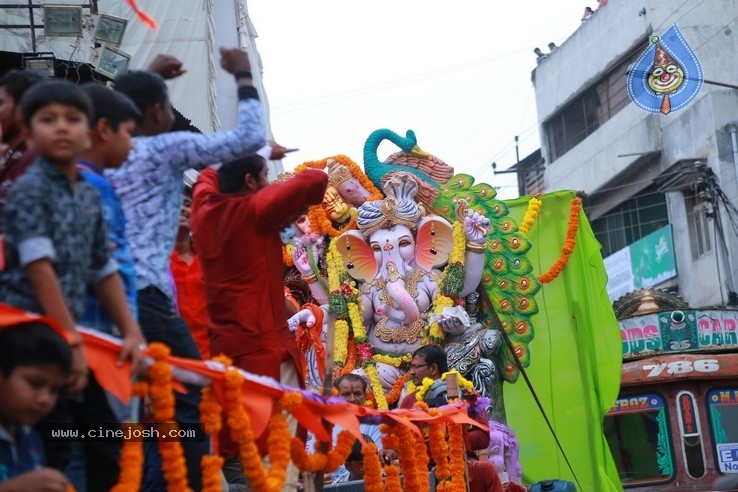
pixel 309 279
pixel 243 74
pixel 476 247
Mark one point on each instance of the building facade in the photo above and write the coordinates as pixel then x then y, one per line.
pixel 661 190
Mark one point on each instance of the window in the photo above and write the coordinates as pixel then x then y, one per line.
pixel 631 220
pixel 534 179
pixel 723 405
pixel 585 114
pixel 701 230
pixel 691 434
pixel 637 431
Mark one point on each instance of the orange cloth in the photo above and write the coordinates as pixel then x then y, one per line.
pixel 11 317
pixel 191 300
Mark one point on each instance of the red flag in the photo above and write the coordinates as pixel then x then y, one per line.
pixel 143 16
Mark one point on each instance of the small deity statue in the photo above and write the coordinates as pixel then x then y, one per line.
pixel 337 210
pixel 347 185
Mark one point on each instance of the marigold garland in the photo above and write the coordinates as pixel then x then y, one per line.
pixel 318 461
pixel 287 256
pixel 458 251
pixel 212 421
pixel 376 385
pixel 132 455
pixel 428 382
pixel 350 364
pixel 319 221
pixel 394 394
pixel 569 243
pixel 421 461
pixel 173 465
pixel 423 389
pixel 335 264
pixel 370 402
pixel 211 466
pixel 392 478
pixel 337 456
pixel 340 347
pixel 278 440
pixel 448 456
pixel 408 459
pixel 393 360
pixel 391 440
pixel 304 461
pixel 372 468
pixel 210 411
pixel 457 463
pixel 340 294
pixel 439 452
pixel 278 443
pixel 239 423
pixel 531 214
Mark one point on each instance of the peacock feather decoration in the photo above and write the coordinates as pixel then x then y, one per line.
pixel 508 273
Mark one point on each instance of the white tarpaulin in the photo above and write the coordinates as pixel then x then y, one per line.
pixel 191 30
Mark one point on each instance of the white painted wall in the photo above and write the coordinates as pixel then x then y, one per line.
pixel 696 132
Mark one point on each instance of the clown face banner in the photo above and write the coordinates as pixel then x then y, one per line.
pixel 667 76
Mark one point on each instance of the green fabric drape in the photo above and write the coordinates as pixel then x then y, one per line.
pixel 575 356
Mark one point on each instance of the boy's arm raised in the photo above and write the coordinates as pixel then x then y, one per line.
pixel 48 292
pixel 180 151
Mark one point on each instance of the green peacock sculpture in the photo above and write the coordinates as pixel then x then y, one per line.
pixel 430 171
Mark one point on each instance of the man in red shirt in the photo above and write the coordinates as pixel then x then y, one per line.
pixel 236 219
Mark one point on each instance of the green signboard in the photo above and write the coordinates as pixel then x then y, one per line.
pixel 652 259
pixel 643 264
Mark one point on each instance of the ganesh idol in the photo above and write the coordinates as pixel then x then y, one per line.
pixel 397 256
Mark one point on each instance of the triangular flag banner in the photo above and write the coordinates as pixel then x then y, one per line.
pixel 667 76
pixel 11 316
pixel 259 392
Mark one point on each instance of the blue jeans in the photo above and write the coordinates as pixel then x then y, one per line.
pixel 160 322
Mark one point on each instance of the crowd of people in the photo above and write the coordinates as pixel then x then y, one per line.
pixel 105 225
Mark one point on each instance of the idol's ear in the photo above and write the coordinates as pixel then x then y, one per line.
pixel 358 257
pixel 433 242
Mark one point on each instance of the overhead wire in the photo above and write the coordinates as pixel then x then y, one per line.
pixel 390 84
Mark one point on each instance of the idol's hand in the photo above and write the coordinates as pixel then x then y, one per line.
pixel 300 256
pixel 476 226
pixel 304 316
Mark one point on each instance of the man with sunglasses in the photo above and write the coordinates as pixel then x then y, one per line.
pixel 429 361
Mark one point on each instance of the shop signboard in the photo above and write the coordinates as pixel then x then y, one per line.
pixel 642 264
pixel 679 331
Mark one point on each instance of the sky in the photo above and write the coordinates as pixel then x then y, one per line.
pixel 456 73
